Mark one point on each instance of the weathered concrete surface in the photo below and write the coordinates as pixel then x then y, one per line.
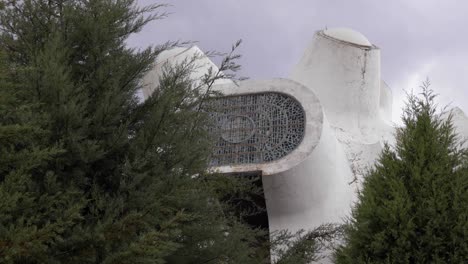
pixel 343 69
pixel 346 79
pixel 386 102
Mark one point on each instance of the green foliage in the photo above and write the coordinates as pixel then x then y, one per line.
pixel 305 247
pixel 34 209
pixel 87 173
pixel 414 203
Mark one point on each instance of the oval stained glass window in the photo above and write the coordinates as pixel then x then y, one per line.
pixel 255 128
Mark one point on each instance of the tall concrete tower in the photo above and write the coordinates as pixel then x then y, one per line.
pixel 343 68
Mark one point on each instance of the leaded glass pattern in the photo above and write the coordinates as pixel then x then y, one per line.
pixel 255 128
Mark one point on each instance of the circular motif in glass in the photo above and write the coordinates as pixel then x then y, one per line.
pixel 255 128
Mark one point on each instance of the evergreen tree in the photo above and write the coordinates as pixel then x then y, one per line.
pixel 33 207
pixel 414 204
pixel 87 173
pixel 305 247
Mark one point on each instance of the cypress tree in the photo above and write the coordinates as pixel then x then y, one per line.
pixel 88 174
pixel 414 204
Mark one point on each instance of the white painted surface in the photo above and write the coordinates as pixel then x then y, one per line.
pixel 345 75
pixel 316 191
pixel 345 78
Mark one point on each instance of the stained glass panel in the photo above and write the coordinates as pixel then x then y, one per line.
pixel 255 128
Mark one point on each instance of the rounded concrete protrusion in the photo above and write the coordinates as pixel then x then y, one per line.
pixel 344 75
pixel 312 129
pixel 347 35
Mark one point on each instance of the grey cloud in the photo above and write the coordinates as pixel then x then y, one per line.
pixel 410 33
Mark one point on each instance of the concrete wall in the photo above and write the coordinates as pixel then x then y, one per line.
pixel 314 192
pixel 177 56
pixel 345 77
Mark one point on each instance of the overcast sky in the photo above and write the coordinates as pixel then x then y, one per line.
pixel 417 38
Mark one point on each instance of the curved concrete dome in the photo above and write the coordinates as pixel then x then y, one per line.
pixel 348 35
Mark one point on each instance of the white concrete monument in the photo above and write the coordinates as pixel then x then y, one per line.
pixel 311 136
